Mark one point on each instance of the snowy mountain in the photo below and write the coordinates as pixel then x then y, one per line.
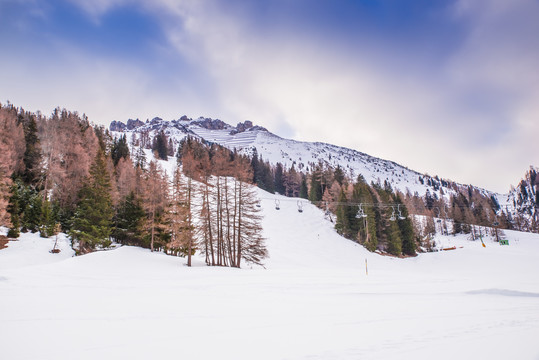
pixel 246 138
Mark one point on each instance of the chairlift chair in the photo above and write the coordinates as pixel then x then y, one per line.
pixel 328 213
pixel 400 214
pixel 300 207
pixel 277 205
pixel 360 213
pixel 393 218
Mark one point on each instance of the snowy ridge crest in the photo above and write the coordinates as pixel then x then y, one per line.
pixel 248 138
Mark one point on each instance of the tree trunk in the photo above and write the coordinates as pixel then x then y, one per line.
pixel 190 240
pixel 208 223
pixel 238 258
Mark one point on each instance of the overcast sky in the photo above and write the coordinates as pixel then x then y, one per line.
pixel 450 88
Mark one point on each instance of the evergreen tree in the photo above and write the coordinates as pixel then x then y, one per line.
pixel 342 224
pixel 315 192
pixel 128 221
pixel 279 180
pixel 14 211
pixel 303 190
pixel 365 226
pixel 119 149
pixel 159 146
pixel 406 230
pixel 393 239
pixel 338 175
pixel 92 223
pixel 48 224
pixel 25 206
pixel 255 166
pixel 32 154
pixel 267 178
pixel 32 212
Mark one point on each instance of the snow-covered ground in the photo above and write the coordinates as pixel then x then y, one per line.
pixel 313 300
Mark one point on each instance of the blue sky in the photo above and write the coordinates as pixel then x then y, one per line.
pixel 443 87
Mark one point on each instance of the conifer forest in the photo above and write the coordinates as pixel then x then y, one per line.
pixel 63 173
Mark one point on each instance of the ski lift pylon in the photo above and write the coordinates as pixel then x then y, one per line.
pixel 393 218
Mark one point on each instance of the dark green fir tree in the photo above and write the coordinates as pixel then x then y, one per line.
pixel 279 180
pixel 119 149
pixel 343 223
pixel 128 221
pixel 303 190
pixel 160 146
pixel 92 223
pixel 14 211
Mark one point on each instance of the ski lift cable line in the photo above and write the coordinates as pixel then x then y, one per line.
pixel 337 203
pixel 439 209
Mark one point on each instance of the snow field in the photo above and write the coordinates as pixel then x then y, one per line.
pixel 313 300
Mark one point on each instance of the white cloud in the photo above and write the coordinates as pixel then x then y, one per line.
pixel 468 119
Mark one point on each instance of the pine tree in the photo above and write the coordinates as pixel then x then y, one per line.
pixel 267 178
pixel 128 221
pixel 14 211
pixel 279 181
pixel 339 175
pixel 119 149
pixel 303 190
pixel 159 146
pixel 366 225
pixel 92 223
pixel 406 229
pixel 48 224
pixel 32 154
pixel 315 191
pixel 255 166
pixel 342 224
pixel 32 211
pixel 393 239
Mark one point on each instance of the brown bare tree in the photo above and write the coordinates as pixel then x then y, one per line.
pixel 12 147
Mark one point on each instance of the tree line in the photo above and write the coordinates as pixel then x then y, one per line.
pixel 61 172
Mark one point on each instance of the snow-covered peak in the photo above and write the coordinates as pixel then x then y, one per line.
pixel 247 138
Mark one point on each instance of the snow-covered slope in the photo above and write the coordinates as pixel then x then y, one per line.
pixel 523 200
pixel 313 300
pixel 303 155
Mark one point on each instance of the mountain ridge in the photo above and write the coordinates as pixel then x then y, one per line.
pixel 247 138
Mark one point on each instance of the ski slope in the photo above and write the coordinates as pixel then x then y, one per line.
pixel 313 300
